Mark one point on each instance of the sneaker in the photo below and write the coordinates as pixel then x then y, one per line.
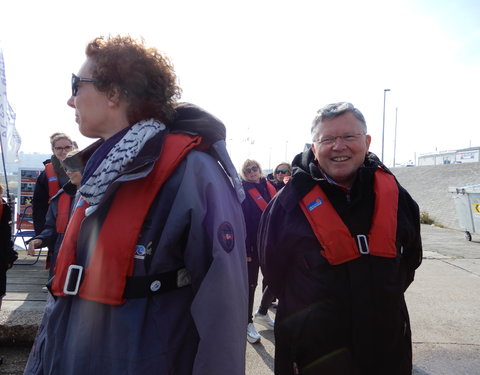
pixel 264 320
pixel 252 335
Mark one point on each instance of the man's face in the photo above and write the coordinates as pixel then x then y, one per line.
pixel 341 158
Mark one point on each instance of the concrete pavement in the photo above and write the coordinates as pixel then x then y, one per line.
pixel 444 304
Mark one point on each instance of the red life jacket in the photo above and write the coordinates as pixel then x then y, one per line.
pixel 258 198
pixel 112 260
pixel 63 212
pixel 52 178
pixel 338 244
pixel 1 209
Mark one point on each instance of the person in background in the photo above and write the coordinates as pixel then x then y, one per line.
pixel 152 245
pixel 59 210
pixel 339 246
pixel 7 254
pixel 49 182
pixel 259 192
pixel 280 175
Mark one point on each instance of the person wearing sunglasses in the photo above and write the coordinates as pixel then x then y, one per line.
pixel 50 181
pixel 280 175
pixel 339 246
pixel 259 191
pixel 59 210
pixel 151 276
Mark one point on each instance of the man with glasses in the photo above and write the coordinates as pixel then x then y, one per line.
pixel 339 246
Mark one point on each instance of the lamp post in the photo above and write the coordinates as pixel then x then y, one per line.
pixel 383 126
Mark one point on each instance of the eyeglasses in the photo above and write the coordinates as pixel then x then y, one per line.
pixel 347 138
pixel 282 171
pixel 76 80
pixel 66 148
pixel 252 169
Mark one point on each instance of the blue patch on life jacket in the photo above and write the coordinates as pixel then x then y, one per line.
pixel 53 178
pixel 312 205
pixel 140 252
pixel 80 203
pixel 259 197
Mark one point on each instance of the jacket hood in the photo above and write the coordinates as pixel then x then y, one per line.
pixel 190 118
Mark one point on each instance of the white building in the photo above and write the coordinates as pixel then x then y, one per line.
pixel 464 155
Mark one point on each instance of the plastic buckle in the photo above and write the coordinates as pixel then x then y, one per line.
pixel 74 272
pixel 362 242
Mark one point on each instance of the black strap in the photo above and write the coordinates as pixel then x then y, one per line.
pixel 144 286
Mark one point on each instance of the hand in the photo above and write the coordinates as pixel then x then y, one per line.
pixel 286 179
pixel 249 259
pixel 34 244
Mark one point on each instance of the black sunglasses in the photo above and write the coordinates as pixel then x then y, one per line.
pixel 252 169
pixel 76 80
pixel 283 171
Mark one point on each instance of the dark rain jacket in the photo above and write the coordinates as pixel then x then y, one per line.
pixel 41 197
pixel 252 214
pixel 348 319
pixel 196 329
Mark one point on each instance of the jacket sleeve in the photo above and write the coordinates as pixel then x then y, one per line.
pixel 273 247
pixel 49 232
pixel 409 219
pixel 215 256
pixel 40 202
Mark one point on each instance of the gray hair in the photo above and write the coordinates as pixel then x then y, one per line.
pixel 333 110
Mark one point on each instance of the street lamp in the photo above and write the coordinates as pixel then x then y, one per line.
pixel 383 127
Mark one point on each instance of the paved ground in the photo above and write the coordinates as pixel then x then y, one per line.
pixel 444 303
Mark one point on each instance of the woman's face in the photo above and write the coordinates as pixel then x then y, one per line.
pixel 74 176
pixel 94 111
pixel 61 148
pixel 281 171
pixel 252 173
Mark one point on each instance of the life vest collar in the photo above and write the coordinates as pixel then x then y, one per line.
pixel 258 198
pixel 105 277
pixel 338 245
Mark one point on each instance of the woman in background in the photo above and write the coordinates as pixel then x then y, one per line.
pixel 280 175
pixel 258 192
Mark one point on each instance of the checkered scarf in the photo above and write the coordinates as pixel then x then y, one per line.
pixel 119 156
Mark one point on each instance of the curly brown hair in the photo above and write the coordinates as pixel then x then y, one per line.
pixel 142 75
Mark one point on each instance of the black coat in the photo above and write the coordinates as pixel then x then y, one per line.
pixel 7 254
pixel 348 319
pixel 41 196
pixel 252 214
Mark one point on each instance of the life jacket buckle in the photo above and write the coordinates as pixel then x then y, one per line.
pixel 72 281
pixel 362 242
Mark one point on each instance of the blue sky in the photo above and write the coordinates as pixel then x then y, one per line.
pixel 264 67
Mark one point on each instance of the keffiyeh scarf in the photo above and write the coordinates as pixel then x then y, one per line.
pixel 121 153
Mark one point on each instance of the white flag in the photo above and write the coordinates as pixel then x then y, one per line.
pixel 9 137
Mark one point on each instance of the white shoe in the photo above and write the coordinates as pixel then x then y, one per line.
pixel 264 320
pixel 252 335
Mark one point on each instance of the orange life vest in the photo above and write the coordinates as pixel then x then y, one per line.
pixel 338 244
pixel 52 178
pixel 258 198
pixel 112 260
pixel 63 212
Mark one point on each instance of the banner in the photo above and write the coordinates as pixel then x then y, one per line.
pixel 9 137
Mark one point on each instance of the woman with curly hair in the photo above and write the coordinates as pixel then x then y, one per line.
pixel 151 276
